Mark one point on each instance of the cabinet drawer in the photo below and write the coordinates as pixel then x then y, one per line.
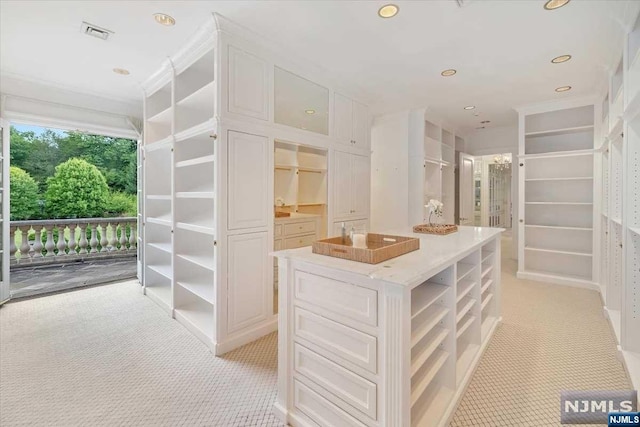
pixel 277 230
pixel 346 385
pixel 345 342
pixel 277 245
pixel 300 228
pixel 340 298
pixel 299 242
pixel 319 409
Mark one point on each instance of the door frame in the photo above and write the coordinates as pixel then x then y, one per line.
pixel 5 291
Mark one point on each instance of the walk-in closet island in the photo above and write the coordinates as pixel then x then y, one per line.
pixel 390 344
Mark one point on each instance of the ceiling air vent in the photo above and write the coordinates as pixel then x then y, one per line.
pixel 95 31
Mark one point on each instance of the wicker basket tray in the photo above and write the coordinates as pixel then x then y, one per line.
pixel 440 229
pixel 380 247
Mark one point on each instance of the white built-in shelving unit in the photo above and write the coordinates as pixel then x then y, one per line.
pixel 432 161
pixel 223 137
pixel 557 193
pixel 452 316
pixel 620 203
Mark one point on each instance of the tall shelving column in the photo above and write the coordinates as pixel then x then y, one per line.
pixel 158 195
pixel 557 203
pixel 195 164
pixel 630 308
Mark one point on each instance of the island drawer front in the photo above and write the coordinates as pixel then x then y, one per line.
pixel 319 409
pixel 342 383
pixel 340 300
pixel 277 230
pixel 345 342
pixel 299 228
pixel 299 242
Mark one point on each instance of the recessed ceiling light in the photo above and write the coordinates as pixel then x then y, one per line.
pixel 310 111
pixel 388 11
pixel 164 19
pixel 469 107
pixel 448 73
pixel 560 59
pixel 563 88
pixel 476 114
pixel 121 71
pixel 555 4
pixel 485 121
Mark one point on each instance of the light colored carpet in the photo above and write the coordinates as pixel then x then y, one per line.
pixel 108 356
pixel 552 338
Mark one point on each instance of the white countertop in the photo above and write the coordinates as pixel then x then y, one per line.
pixel 435 253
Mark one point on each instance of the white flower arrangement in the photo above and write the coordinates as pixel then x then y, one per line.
pixel 435 207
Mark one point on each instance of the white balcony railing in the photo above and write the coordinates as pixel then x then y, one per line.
pixel 54 241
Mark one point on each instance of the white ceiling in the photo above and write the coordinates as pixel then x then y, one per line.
pixel 501 49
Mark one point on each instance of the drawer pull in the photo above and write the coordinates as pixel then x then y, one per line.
pixel 342 251
pixel 388 239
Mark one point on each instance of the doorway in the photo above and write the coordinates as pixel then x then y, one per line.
pixel 72 209
pixel 493 205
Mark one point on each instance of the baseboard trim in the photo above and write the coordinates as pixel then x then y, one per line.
pixel 558 280
pixel 239 339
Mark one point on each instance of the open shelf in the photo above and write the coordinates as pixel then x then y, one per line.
pixel 199 314
pixel 466 353
pixel 485 285
pixel 555 227
pixel 206 262
pixel 554 251
pixel 464 287
pixel 560 203
pixel 425 348
pixel 487 267
pixel 463 307
pixel 162 269
pixel 195 195
pixel 425 295
pixel 562 131
pixel 464 324
pixel 196 227
pixel 423 377
pixel 421 325
pixel 197 161
pixel 464 270
pixel 429 408
pixel 569 178
pixel 202 290
pixel 486 301
pixel 635 230
pixel 165 247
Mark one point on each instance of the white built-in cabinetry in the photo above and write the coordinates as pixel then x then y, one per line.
pixel 413 160
pixel 619 218
pixel 351 122
pixel 365 345
pixel 557 193
pixel 211 174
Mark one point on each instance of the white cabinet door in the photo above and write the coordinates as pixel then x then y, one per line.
pixel 247 181
pixel 247 286
pixel 466 190
pixel 248 85
pixel 360 180
pixel 342 118
pixel 342 184
pixel 360 125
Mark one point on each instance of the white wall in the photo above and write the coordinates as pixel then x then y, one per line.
pixel 500 140
pixel 36 103
pixel 389 171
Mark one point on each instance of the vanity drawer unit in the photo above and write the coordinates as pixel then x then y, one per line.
pixel 299 241
pixel 335 358
pixel 300 228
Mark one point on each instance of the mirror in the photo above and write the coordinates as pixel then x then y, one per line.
pixel 300 103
